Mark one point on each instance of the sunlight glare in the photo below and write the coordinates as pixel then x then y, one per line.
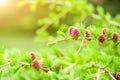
pixel 3 2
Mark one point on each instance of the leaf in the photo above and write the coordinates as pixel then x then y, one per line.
pixel 61 33
pixel 17 69
pixel 116 44
pixel 42 33
pixel 51 44
pixel 109 62
pixel 100 11
pixel 69 68
pixel 108 16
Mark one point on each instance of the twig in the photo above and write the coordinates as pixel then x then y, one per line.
pixel 27 64
pixel 52 21
pixel 77 78
pixel 98 74
pixel 46 69
pixel 114 23
pixel 80 45
pixel 108 63
pixel 23 63
pixel 111 75
pixel 64 39
pixel 69 68
pixel 94 74
pixel 95 16
pixel 106 70
pixel 5 64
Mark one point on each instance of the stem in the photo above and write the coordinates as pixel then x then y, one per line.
pixel 45 69
pixel 27 64
pixel 111 75
pixel 65 39
pixel 95 16
pixel 98 74
pixel 5 64
pixel 60 40
pixel 106 70
pixel 80 45
pixel 78 78
pixel 94 74
pixel 69 68
pixel 23 63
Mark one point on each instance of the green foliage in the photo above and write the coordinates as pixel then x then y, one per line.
pixel 75 67
pixel 62 59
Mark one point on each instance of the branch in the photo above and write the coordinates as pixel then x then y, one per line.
pixel 98 74
pixel 27 64
pixel 23 63
pixel 69 68
pixel 52 21
pixel 95 16
pixel 80 45
pixel 46 69
pixel 104 69
pixel 5 64
pixel 65 39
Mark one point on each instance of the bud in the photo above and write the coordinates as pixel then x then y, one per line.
pixel 101 38
pixel 116 75
pixel 36 64
pixel 104 30
pixel 70 30
pixel 73 31
pixel 33 56
pixel 88 34
pixel 115 36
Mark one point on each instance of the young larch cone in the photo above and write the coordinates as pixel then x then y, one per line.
pixel 36 64
pixel 33 56
pixel 88 33
pixel 115 36
pixel 73 31
pixel 104 30
pixel 101 38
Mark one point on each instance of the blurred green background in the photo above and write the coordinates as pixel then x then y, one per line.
pixel 19 20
